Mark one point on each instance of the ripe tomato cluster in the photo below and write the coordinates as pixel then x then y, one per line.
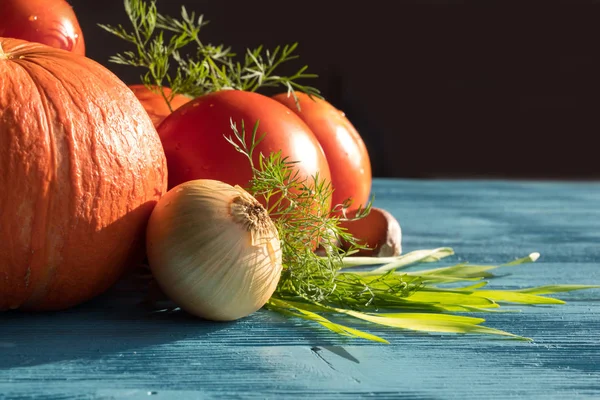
pixel 316 135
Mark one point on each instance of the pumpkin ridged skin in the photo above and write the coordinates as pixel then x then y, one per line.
pixel 81 168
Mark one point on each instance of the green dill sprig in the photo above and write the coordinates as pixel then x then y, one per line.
pixel 173 55
pixel 259 68
pixel 152 50
pixel 300 208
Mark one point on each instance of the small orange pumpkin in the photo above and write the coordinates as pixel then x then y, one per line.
pixel 154 104
pixel 81 168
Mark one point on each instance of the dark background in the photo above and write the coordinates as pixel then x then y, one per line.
pixel 436 88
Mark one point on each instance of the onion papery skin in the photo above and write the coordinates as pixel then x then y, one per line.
pixel 208 262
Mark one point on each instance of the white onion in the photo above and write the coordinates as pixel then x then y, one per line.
pixel 214 250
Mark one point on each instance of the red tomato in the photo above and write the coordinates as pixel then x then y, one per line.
pixel 155 104
pixel 51 22
pixel 194 143
pixel 345 150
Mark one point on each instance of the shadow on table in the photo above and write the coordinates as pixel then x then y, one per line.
pixel 124 320
pixel 116 322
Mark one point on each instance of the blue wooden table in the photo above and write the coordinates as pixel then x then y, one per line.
pixel 114 347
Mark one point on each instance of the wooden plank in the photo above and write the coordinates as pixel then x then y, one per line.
pixel 113 347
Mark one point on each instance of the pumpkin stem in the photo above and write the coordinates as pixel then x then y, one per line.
pixel 3 55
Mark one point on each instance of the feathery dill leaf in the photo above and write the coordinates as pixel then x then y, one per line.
pixel 160 41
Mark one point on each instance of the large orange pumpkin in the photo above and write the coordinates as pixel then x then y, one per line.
pixel 81 168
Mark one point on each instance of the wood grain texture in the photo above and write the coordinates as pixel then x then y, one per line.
pixel 113 347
